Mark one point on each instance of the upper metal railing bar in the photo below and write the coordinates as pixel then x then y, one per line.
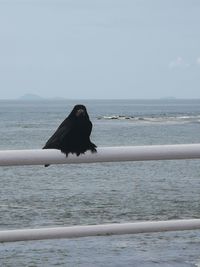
pixel 104 154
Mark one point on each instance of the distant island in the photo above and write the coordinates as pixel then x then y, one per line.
pixel 168 98
pixel 34 97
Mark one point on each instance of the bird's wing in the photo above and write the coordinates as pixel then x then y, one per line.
pixel 56 139
pixel 65 123
pixel 89 128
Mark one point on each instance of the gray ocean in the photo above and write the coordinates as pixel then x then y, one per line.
pixel 65 195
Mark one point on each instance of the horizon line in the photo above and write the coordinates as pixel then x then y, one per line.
pixel 71 99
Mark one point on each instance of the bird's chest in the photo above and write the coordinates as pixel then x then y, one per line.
pixel 79 131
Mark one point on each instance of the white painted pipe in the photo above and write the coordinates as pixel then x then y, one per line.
pixel 104 154
pixel 98 230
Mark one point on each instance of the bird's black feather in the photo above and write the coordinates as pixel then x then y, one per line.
pixel 73 135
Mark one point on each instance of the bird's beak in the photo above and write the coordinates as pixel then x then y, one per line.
pixel 80 112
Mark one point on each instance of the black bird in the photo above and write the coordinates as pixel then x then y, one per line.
pixel 73 135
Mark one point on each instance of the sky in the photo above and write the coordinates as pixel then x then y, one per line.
pixel 100 49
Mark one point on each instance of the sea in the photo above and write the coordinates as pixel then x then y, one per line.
pixel 100 193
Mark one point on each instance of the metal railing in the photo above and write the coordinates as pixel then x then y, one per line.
pixel 98 230
pixel 104 154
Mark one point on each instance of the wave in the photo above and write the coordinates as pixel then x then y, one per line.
pixel 162 119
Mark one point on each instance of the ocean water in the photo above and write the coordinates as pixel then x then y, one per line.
pixel 63 195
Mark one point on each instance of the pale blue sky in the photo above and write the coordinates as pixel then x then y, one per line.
pixel 100 48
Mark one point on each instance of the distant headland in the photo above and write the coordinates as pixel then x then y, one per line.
pixel 35 97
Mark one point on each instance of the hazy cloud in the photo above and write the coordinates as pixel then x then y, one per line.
pixel 179 62
pixel 198 61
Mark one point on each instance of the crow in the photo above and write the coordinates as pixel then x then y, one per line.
pixel 73 135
